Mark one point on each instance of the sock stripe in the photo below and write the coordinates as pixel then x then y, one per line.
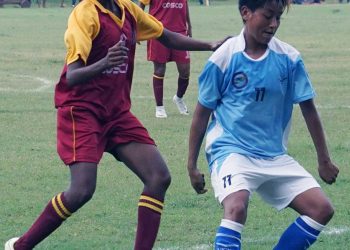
pixel 60 203
pixel 228 236
pixel 305 231
pixel 228 246
pixel 158 77
pixel 60 209
pixel 53 201
pixel 147 198
pixel 144 204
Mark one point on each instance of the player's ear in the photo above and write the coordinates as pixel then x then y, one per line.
pixel 245 13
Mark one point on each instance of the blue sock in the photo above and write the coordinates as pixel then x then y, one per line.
pixel 228 236
pixel 300 235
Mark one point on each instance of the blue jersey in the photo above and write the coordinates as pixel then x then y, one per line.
pixel 252 99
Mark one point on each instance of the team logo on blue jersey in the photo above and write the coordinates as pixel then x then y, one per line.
pixel 239 80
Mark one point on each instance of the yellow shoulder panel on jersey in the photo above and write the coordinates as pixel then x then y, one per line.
pixel 147 26
pixel 83 27
pixel 145 2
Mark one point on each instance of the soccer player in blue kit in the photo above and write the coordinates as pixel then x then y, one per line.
pixel 248 88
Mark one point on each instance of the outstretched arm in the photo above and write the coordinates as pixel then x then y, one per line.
pixel 327 170
pixel 177 41
pixel 198 127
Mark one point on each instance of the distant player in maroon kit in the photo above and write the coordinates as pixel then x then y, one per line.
pixel 93 104
pixel 175 16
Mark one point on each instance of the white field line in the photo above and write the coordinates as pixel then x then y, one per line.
pixel 198 247
pixel 333 106
pixel 46 85
pixel 336 230
pixel 328 231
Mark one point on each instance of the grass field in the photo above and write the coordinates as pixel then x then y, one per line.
pixel 31 58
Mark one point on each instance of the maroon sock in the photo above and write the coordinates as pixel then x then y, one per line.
pixel 149 214
pixel 49 220
pixel 158 89
pixel 182 84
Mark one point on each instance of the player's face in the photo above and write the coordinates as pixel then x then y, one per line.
pixel 262 24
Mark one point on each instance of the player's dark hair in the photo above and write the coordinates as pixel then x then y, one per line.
pixel 256 4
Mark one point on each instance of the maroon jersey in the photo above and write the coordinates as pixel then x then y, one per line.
pixel 172 13
pixel 92 30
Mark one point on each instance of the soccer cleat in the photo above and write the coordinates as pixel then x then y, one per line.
pixel 181 106
pixel 10 244
pixel 160 112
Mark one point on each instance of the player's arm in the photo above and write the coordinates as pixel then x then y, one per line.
pixel 180 42
pixel 149 27
pixel 188 21
pixel 198 127
pixel 78 73
pixel 327 170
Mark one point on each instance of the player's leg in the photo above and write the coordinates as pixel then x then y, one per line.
pixel 182 60
pixel 82 185
pixel 233 180
pixel 183 80
pixel 147 163
pixel 290 185
pixel 158 82
pixel 61 206
pixel 77 130
pixel 158 54
pixel 316 211
pixel 158 85
pixel 228 235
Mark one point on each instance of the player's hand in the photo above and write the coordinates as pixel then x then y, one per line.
pixel 328 172
pixel 217 44
pixel 197 181
pixel 189 32
pixel 116 55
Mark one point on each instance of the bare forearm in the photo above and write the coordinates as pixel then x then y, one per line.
pixel 195 142
pixel 180 42
pixel 197 133
pixel 80 75
pixel 315 128
pixel 327 170
pixel 318 137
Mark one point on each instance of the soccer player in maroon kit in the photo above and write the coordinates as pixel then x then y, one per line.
pixel 175 16
pixel 93 104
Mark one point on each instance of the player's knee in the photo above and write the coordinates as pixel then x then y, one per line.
pixel 80 196
pixel 159 71
pixel 326 212
pixel 236 211
pixel 160 181
pixel 164 180
pixel 323 213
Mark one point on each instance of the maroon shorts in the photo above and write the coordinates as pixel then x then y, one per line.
pixel 81 137
pixel 157 52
